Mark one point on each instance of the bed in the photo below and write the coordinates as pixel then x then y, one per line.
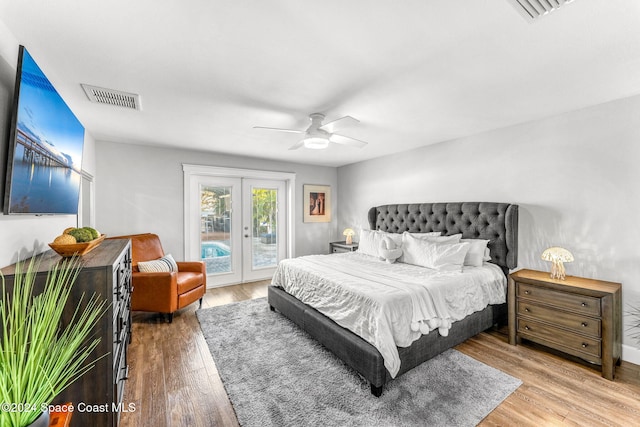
pixel 496 222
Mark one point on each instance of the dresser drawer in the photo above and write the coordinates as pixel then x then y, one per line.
pixel 578 303
pixel 563 340
pixel 576 322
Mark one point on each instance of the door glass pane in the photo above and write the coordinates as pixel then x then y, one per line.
pixel 215 228
pixel 264 224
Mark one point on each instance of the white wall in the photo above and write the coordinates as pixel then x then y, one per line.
pixel 23 235
pixel 139 189
pixel 574 176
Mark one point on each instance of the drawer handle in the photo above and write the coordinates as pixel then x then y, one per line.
pixel 585 345
pixel 527 309
pixel 584 304
pixel 526 328
pixel 126 374
pixel 584 324
pixel 527 292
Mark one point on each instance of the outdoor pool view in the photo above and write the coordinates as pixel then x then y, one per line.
pixel 216 229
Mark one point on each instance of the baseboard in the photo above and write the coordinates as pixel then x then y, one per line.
pixel 222 285
pixel 630 354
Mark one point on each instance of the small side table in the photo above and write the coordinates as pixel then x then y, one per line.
pixel 578 316
pixel 338 247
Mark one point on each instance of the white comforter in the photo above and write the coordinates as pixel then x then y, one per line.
pixel 389 305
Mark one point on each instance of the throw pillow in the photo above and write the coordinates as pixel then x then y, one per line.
pixel 389 250
pixel 164 264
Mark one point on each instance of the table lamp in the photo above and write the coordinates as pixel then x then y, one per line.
pixel 557 256
pixel 349 233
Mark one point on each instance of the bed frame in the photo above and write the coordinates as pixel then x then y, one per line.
pixel 497 222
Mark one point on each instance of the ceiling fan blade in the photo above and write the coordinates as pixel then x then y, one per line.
pixel 297 145
pixel 347 140
pixel 337 123
pixel 279 130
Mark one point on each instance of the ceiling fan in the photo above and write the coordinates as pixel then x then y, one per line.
pixel 318 136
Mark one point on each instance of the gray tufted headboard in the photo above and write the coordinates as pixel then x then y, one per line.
pixel 497 222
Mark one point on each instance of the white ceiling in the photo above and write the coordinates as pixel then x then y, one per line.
pixel 414 72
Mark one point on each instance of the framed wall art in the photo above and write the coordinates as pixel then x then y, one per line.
pixel 317 203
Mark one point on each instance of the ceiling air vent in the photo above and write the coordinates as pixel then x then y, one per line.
pixel 531 10
pixel 101 95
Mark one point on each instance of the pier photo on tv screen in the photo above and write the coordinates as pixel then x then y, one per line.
pixel 45 147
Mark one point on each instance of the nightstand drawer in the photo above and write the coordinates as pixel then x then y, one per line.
pixel 340 247
pixel 576 322
pixel 561 339
pixel 578 303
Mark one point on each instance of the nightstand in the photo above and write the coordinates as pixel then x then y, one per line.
pixel 337 247
pixel 577 316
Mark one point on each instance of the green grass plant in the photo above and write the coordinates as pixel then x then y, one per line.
pixel 39 355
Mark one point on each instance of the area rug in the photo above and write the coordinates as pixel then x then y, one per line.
pixel 277 375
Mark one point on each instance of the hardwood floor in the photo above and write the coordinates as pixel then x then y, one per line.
pixel 173 380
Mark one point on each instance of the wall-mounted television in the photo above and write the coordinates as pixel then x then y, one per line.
pixel 45 147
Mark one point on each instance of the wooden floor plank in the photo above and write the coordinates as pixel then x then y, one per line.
pixel 174 381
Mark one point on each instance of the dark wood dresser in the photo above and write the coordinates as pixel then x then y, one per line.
pixel 577 316
pixel 97 396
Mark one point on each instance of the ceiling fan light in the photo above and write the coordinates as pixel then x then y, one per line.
pixel 316 142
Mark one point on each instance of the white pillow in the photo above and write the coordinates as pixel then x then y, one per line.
pixel 437 238
pixel 369 242
pixel 397 238
pixel 455 238
pixel 487 255
pixel 435 255
pixel 475 256
pixel 164 264
pixel 425 235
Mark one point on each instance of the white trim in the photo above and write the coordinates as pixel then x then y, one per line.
pixel 239 173
pixel 190 170
pixel 630 354
pixel 80 220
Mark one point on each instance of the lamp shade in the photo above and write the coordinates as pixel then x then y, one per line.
pixel 349 233
pixel 557 253
pixel 557 256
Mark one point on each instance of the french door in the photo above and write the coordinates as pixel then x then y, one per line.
pixel 238 227
pixel 263 223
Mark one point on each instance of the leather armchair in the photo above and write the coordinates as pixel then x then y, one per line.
pixel 164 292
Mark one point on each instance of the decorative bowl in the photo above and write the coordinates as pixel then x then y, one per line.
pixel 76 248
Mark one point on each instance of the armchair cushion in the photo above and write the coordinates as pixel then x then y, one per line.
pixel 187 281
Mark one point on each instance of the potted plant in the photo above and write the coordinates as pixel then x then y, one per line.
pixel 39 355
